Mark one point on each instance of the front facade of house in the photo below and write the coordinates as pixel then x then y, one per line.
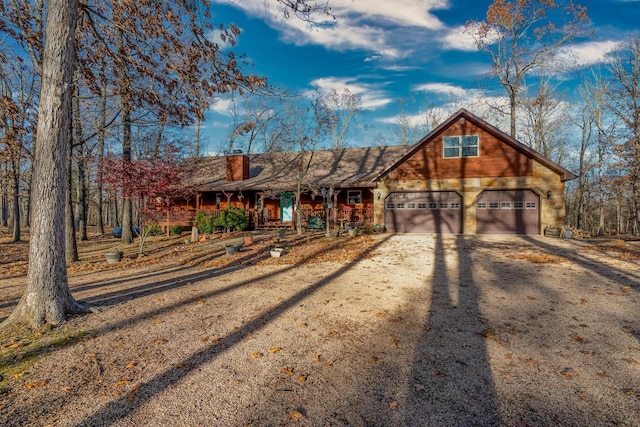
pixel 465 177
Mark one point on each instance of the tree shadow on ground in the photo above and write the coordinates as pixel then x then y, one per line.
pixel 451 387
pixel 119 408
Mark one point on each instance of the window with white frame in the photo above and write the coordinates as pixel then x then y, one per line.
pixel 443 205
pixel 531 205
pixel 505 205
pixel 354 197
pixel 494 205
pixel 518 205
pixel 460 146
pixel 433 205
pixel 482 205
pixel 454 205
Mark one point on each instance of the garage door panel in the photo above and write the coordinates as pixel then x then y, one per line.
pixel 508 212
pixel 424 212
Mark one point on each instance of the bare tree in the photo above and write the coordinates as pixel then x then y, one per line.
pixel 521 36
pixel 343 109
pixel 301 125
pixel 407 128
pixel 545 119
pixel 622 96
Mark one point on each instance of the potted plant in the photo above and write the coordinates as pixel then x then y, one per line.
pixel 277 252
pixel 354 231
pixel 232 249
pixel 114 255
pixel 247 239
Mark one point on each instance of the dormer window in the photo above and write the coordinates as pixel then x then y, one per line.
pixel 460 146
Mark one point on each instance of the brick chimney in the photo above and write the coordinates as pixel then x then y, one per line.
pixel 237 166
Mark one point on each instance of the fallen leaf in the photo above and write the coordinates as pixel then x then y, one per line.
pixel 121 383
pixel 159 341
pixel 275 349
pixel 36 384
pixel 568 372
pixel 204 339
pixel 317 358
pixel 394 342
pixel 419 387
pixel 65 389
pixel 287 371
pixel 303 325
pixel 577 338
pixel 603 375
pixel 302 378
pixel 392 403
pixel 90 355
pixel 328 364
pixel 132 364
pixel 256 355
pixel 436 374
pixel 373 359
pixel 296 416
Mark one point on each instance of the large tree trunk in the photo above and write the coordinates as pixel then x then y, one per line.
pixel 47 298
pixel 127 206
pixel 71 246
pixel 15 175
pixel 101 140
pixel 81 190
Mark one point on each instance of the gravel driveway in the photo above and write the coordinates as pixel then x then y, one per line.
pixel 423 331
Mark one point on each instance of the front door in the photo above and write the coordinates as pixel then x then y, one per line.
pixel 286 207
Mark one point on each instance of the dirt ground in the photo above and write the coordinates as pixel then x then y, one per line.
pixel 382 330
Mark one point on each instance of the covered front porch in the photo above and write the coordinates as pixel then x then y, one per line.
pixel 273 210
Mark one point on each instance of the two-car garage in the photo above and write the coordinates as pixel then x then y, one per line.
pixel 497 212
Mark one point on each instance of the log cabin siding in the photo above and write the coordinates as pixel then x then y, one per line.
pixel 496 159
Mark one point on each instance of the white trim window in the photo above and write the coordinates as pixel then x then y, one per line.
pixel 461 146
pixel 354 197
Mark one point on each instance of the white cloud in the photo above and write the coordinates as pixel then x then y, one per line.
pixel 221 106
pixel 372 96
pixel 441 88
pixel 456 38
pixel 367 25
pixel 588 53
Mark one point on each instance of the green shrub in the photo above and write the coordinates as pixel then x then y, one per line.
pixel 232 219
pixel 204 222
pixel 152 230
pixel 176 229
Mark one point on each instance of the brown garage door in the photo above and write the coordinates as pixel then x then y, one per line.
pixel 508 212
pixel 424 212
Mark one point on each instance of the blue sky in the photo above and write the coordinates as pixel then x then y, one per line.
pixel 386 50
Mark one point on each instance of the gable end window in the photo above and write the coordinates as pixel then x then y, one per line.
pixel 460 146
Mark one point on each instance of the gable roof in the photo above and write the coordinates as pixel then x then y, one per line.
pixel 349 167
pixel 507 139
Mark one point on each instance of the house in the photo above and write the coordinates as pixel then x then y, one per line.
pixel 466 176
